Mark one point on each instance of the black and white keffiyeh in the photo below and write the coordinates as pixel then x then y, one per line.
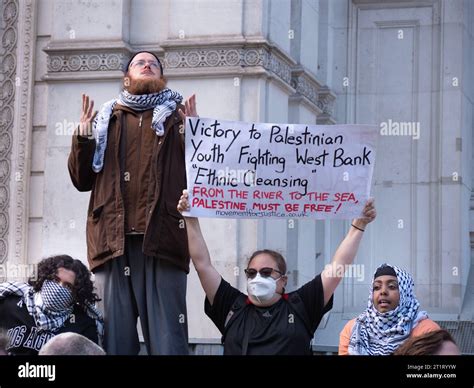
pixel 376 333
pixel 49 308
pixel 163 104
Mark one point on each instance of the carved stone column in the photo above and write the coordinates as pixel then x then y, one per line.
pixel 17 33
pixel 8 36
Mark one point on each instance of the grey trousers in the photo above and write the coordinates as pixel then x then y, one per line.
pixel 135 285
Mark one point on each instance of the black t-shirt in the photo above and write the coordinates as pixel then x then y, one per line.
pixel 24 336
pixel 277 329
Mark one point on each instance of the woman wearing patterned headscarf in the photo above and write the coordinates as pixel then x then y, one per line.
pixel 392 316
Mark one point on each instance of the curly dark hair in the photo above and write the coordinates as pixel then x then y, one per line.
pixel 82 290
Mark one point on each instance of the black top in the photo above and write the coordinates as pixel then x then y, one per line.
pixel 23 334
pixel 277 329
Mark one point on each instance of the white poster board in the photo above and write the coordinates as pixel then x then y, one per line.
pixel 264 170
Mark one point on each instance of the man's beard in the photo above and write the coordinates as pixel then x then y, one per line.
pixel 145 86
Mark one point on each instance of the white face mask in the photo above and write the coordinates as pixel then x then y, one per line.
pixel 262 289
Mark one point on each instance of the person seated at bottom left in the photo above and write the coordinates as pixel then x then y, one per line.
pixel 62 299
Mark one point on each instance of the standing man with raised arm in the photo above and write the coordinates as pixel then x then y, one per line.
pixel 131 156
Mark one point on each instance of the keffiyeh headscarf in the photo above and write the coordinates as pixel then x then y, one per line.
pixel 163 104
pixel 51 307
pixel 376 333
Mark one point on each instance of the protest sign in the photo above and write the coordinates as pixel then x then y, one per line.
pixel 254 170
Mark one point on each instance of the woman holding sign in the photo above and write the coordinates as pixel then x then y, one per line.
pixel 269 321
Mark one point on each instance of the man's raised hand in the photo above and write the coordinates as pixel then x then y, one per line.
pixel 87 117
pixel 189 108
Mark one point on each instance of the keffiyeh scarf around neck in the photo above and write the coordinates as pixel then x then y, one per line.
pixel 376 333
pixel 44 318
pixel 163 104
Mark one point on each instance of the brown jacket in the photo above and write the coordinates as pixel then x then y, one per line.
pixel 165 236
pixel 138 149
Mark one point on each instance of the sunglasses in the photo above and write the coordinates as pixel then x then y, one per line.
pixel 264 272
